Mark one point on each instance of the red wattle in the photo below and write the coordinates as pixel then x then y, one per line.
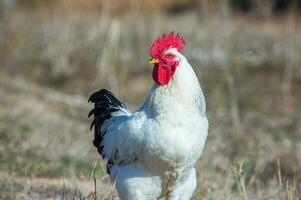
pixel 161 75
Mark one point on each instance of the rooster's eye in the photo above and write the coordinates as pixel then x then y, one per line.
pixel 169 56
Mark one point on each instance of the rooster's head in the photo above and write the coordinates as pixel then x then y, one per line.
pixel 165 62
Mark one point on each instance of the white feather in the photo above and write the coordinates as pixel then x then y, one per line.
pixel 162 141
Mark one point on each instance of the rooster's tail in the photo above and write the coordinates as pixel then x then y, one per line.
pixel 106 106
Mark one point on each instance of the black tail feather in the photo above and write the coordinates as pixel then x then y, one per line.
pixel 105 104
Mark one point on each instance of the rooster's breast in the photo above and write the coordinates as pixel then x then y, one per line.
pixel 175 142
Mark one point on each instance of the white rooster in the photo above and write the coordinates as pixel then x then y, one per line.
pixel 151 153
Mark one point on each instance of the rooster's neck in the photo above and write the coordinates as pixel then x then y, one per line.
pixel 183 92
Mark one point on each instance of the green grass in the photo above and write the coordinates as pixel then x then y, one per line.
pixel 14 132
pixel 11 159
pixel 43 167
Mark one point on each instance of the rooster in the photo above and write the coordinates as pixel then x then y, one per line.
pixel 151 153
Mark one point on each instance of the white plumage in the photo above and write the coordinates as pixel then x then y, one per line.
pixel 152 152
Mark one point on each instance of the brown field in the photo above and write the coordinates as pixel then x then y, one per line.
pixel 52 59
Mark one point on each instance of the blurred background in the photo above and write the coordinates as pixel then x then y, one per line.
pixel 54 54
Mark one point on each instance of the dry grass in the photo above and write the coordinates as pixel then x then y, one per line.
pixel 51 60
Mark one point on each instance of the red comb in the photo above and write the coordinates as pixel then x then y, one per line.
pixel 164 43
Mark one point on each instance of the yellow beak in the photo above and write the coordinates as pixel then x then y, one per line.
pixel 153 61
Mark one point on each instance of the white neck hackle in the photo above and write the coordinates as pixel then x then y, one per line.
pixel 183 88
